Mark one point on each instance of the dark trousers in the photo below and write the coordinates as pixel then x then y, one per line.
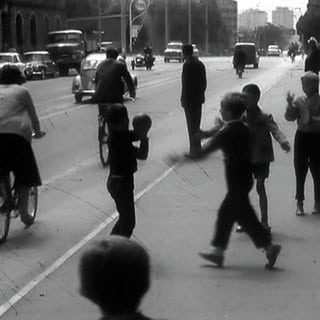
pixel 236 207
pixel 121 190
pixel 307 155
pixel 193 117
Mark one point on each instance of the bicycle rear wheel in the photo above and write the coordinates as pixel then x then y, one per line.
pixel 103 145
pixel 4 216
pixel 32 207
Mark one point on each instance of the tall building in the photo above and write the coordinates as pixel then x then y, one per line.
pixel 229 14
pixel 24 24
pixel 283 16
pixel 252 19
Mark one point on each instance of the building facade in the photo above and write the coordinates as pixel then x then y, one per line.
pixel 24 24
pixel 252 19
pixel 284 17
pixel 229 14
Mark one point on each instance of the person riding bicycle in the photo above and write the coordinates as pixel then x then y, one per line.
pixel 18 120
pixel 292 52
pixel 109 80
pixel 239 59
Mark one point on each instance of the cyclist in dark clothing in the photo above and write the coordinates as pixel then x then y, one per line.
pixel 109 80
pixel 239 59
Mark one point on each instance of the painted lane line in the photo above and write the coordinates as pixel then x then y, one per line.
pixel 67 255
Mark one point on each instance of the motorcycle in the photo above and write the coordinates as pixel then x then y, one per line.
pixel 149 61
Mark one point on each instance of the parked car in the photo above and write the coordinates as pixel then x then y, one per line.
pixel 252 56
pixel 138 61
pixel 273 50
pixel 83 83
pixel 13 58
pixel 39 64
pixel 195 51
pixel 173 52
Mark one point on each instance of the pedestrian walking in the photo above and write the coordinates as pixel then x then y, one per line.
pixel 261 126
pixel 123 157
pixel 312 62
pixel 306 111
pixel 115 275
pixel 194 84
pixel 235 142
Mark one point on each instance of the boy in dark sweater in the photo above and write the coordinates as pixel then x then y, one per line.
pixel 123 157
pixel 235 141
pixel 115 275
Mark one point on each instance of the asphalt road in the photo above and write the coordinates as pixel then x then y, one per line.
pixel 38 271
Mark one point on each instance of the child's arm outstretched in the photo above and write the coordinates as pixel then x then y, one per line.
pixel 277 134
pixel 292 112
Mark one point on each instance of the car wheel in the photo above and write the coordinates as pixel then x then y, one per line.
pixel 78 97
pixel 43 74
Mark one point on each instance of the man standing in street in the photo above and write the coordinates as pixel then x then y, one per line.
pixel 194 84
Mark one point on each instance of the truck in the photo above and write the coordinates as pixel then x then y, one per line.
pixel 67 48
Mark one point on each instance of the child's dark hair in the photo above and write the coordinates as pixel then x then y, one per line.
pixel 115 274
pixel 115 113
pixel 112 53
pixel 253 89
pixel 187 49
pixel 235 102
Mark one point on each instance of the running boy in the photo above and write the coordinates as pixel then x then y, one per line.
pixel 235 141
pixel 123 157
pixel 261 125
pixel 115 275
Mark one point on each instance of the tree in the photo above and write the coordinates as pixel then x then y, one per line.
pixel 309 26
pixel 271 34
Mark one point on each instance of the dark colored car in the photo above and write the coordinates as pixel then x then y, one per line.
pixel 252 56
pixel 39 64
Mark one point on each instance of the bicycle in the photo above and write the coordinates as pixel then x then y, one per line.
pixel 103 134
pixel 9 203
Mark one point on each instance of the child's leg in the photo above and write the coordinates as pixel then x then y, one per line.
pixel 263 200
pixel 121 191
pixel 315 170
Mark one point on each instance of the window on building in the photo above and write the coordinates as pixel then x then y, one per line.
pixel 19 31
pixel 33 32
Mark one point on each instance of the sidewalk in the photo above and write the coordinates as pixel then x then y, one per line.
pixel 175 221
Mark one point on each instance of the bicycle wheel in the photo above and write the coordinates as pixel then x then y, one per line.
pixel 32 207
pixel 4 216
pixel 103 145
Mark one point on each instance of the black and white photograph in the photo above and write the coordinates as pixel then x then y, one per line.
pixel 159 159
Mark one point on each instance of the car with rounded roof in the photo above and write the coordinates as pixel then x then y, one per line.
pixel 252 56
pixel 12 58
pixel 83 84
pixel 39 64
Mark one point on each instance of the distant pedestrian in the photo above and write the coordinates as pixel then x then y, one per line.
pixel 312 62
pixel 194 83
pixel 306 110
pixel 235 141
pixel 115 275
pixel 261 126
pixel 123 157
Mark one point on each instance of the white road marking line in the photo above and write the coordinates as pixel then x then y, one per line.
pixel 67 255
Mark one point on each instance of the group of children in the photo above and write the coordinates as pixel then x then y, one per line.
pixel 115 273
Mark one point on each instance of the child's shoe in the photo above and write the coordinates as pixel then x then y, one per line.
pixel 272 256
pixel 240 229
pixel 217 259
pixel 300 210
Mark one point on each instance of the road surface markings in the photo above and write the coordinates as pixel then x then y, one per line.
pixel 67 255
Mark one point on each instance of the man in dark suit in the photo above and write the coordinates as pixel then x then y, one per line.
pixel 194 84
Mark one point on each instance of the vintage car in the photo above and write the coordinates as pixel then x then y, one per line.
pixel 13 58
pixel 83 83
pixel 138 61
pixel 39 64
pixel 173 52
pixel 273 50
pixel 252 56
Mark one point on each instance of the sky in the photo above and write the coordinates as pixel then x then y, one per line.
pixel 269 5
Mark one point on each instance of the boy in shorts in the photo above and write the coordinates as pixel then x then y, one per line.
pixel 115 275
pixel 261 126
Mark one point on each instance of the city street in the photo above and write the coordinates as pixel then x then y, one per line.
pixel 176 207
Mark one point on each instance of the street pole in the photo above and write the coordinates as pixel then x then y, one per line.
pixel 99 21
pixel 123 25
pixel 130 25
pixel 189 22
pixel 166 22
pixel 207 29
